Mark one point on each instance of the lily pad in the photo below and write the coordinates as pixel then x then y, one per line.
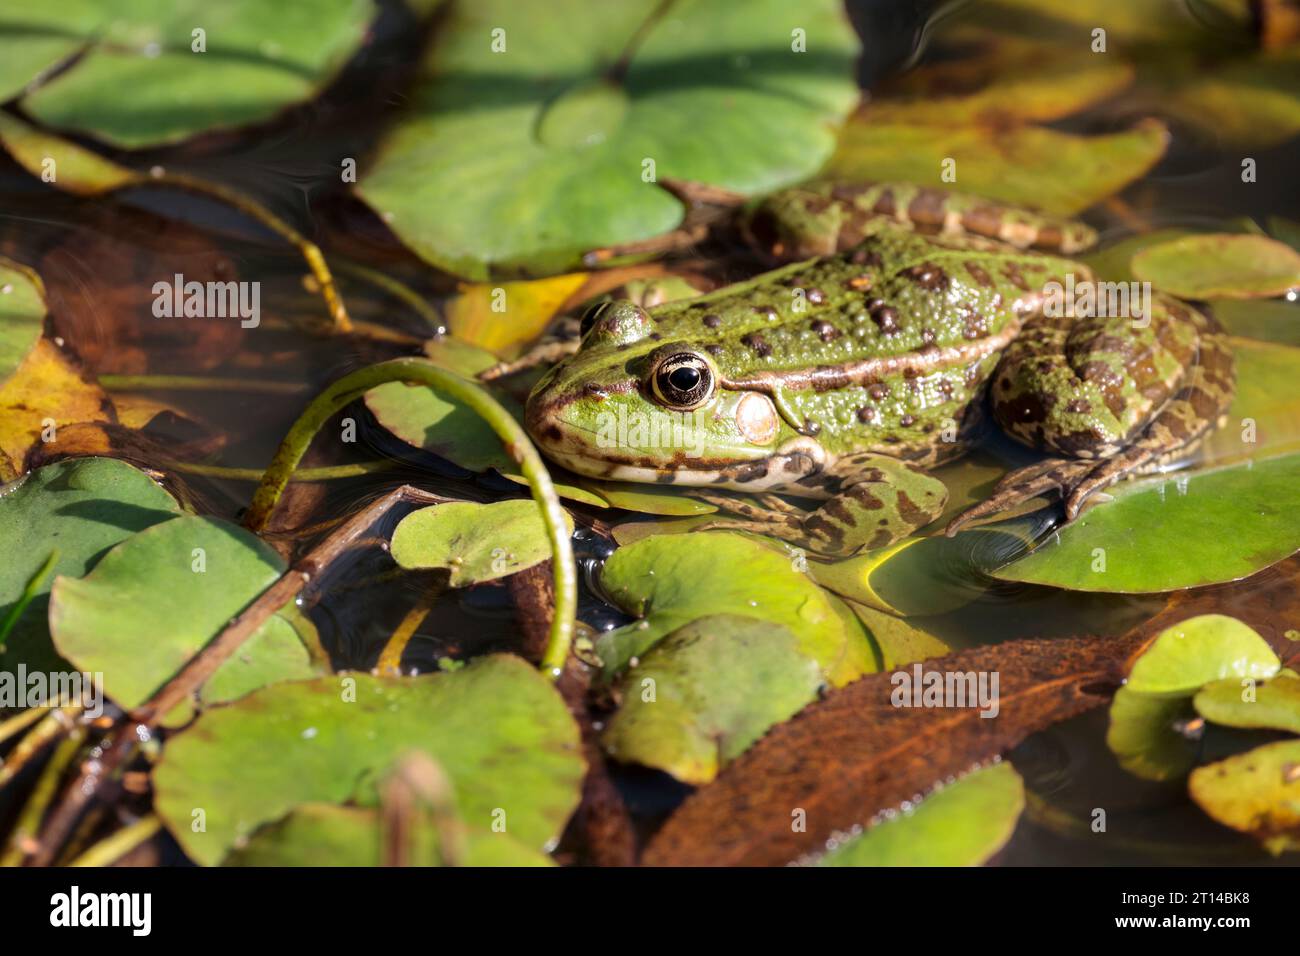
pixel 1230 522
pixel 900 642
pixel 1144 739
pixel 497 727
pixel 707 691
pixel 962 824
pixel 321 834
pixel 1058 173
pixel 257 59
pixel 1242 703
pixel 532 132
pixel 1220 265
pixel 671 580
pixel 1273 320
pixel 22 314
pixel 160 596
pixel 503 317
pixel 648 499
pixel 1209 647
pixel 64 164
pixel 77 510
pixel 475 542
pixel 421 417
pixel 1257 792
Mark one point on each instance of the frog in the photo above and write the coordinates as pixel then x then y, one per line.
pixel 899 324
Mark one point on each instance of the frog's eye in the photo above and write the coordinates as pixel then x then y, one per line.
pixel 682 381
pixel 590 317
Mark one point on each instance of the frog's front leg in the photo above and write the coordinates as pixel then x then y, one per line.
pixel 1113 399
pixel 874 501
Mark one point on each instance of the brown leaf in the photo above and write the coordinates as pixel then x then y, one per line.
pixel 848 757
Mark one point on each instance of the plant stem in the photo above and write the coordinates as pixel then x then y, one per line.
pixel 29 820
pixel 255 210
pixel 390 658
pixel 398 290
pixel 29 594
pixel 53 724
pixel 196 383
pixel 422 372
pixel 19 722
pixel 326 473
pixel 119 843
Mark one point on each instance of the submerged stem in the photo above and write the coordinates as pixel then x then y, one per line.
pixel 422 372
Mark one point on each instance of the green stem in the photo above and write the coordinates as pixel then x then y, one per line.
pixel 325 473
pixel 33 812
pixel 422 372
pixel 397 289
pixel 196 383
pixel 26 598
pixel 118 844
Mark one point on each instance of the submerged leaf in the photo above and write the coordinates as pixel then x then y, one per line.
pixel 706 692
pixel 22 313
pixel 1143 736
pixel 1257 792
pixel 475 542
pixel 960 824
pixel 497 727
pixel 526 160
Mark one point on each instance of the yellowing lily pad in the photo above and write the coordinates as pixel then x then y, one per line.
pixel 1201 649
pixel 1241 702
pixel 247 61
pixel 22 313
pixel 962 824
pixel 704 693
pixel 1143 737
pixel 506 316
pixel 159 597
pixel 1220 265
pixel 475 542
pixel 538 132
pixel 75 511
pixel 497 727
pixel 321 834
pixel 671 580
pixel 60 162
pixel 1257 792
pixel 1059 173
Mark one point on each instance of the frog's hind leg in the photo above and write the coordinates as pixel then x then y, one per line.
pixel 1197 404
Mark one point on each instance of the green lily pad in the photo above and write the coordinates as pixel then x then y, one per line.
pixel 64 164
pixel 1230 522
pixel 526 158
pixel 1114 262
pixel 900 642
pixel 159 597
pixel 962 824
pixel 1241 703
pixel 1249 102
pixel 649 499
pixel 1220 265
pixel 1059 173
pixel 259 58
pixel 321 834
pixel 22 314
pixel 1209 647
pixel 78 509
pixel 475 542
pixel 421 417
pixel 671 580
pixel 497 727
pixel 1143 737
pixel 704 693
pixel 1285 230
pixel 1257 792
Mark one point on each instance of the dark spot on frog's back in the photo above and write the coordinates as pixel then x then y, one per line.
pixel 1015 277
pixel 979 274
pixel 756 342
pixel 928 276
pixel 928 208
pixel 866 257
pixel 885 204
pixel 713 349
pixel 825 331
pixel 767 312
pixel 712 321
pixel 1022 409
pixel 1079 406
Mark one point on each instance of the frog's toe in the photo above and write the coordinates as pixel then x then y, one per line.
pixel 1057 476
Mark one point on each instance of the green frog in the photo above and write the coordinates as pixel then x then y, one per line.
pixel 845 376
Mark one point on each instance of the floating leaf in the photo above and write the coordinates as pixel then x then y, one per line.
pixel 961 824
pixel 706 692
pixel 22 313
pixel 497 727
pixel 159 597
pixel 75 169
pixel 1272 320
pixel 528 159
pixel 420 417
pixel 1246 102
pixel 1230 522
pixel 1239 702
pixel 256 60
pixel 475 542
pixel 79 508
pixel 648 499
pixel 1257 792
pixel 1059 173
pixel 321 834
pixel 504 317
pixel 1114 263
pixel 1219 265
pixel 1201 649
pixel 1143 737
pixel 900 642
pixel 670 581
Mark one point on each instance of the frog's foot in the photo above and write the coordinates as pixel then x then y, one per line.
pixel 882 501
pixel 1054 476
